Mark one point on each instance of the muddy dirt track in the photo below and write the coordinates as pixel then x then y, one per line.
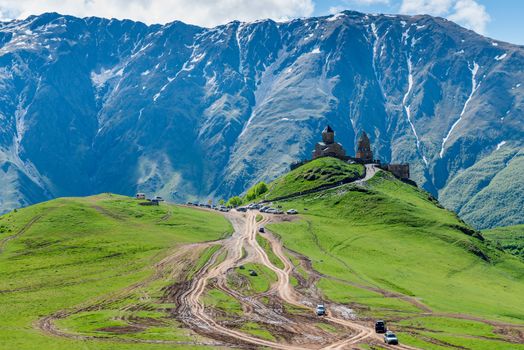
pixel 295 330
pixel 284 310
pixel 242 247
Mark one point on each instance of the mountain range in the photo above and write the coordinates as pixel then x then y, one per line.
pixel 92 105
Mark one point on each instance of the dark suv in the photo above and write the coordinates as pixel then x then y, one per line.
pixel 380 327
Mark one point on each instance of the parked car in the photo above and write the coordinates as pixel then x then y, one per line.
pixel 242 209
pixel 321 310
pixel 253 273
pixel 262 229
pixel 292 212
pixel 380 326
pixel 189 203
pixel 390 338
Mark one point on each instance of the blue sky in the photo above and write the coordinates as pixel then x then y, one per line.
pixel 505 19
pixel 499 19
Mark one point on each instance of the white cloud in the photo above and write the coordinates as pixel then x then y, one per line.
pixel 336 9
pixel 201 12
pixel 468 13
pixel 431 7
pixel 369 2
pixel 348 3
pixel 471 14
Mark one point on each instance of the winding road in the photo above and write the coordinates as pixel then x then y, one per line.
pixel 242 247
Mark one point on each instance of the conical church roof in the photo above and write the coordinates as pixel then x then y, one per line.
pixel 328 129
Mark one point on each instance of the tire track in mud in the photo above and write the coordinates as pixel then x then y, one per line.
pixel 192 310
pixel 48 325
pixel 20 232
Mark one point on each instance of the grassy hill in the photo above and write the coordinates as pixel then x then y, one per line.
pixel 317 173
pixel 60 254
pixel 491 192
pixel 389 250
pixel 509 238
pixel 101 266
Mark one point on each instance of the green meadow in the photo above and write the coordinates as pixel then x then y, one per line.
pixel 322 171
pixel 389 250
pixel 509 238
pixel 69 252
pixel 384 248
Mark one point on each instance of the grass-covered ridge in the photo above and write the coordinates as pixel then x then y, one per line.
pixel 389 250
pixel 314 174
pixel 509 238
pixel 67 252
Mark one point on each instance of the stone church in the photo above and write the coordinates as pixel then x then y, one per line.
pixel 328 147
pixel 364 155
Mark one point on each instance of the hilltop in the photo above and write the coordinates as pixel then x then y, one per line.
pixel 311 176
pixel 106 272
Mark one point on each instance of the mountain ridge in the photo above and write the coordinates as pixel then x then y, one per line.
pixel 191 112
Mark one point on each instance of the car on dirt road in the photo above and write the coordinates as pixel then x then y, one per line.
pixel 321 310
pixel 262 229
pixel 380 326
pixel 390 338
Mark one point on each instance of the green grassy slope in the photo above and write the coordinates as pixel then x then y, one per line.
pixel 69 251
pixel 319 172
pixel 481 195
pixel 386 247
pixel 510 238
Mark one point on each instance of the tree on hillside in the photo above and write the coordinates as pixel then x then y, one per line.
pixel 256 191
pixel 234 201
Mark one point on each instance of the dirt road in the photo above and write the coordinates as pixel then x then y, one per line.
pixel 242 247
pixel 299 330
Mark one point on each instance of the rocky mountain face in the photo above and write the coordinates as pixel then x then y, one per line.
pixel 93 105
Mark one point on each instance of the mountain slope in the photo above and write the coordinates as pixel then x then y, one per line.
pixel 385 246
pixel 60 254
pixel 510 238
pixel 93 105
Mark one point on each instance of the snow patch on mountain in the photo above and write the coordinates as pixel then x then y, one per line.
pixel 474 87
pixel 335 17
pixel 407 108
pixel 100 78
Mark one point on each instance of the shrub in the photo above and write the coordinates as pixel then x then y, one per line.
pixel 257 190
pixel 234 201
